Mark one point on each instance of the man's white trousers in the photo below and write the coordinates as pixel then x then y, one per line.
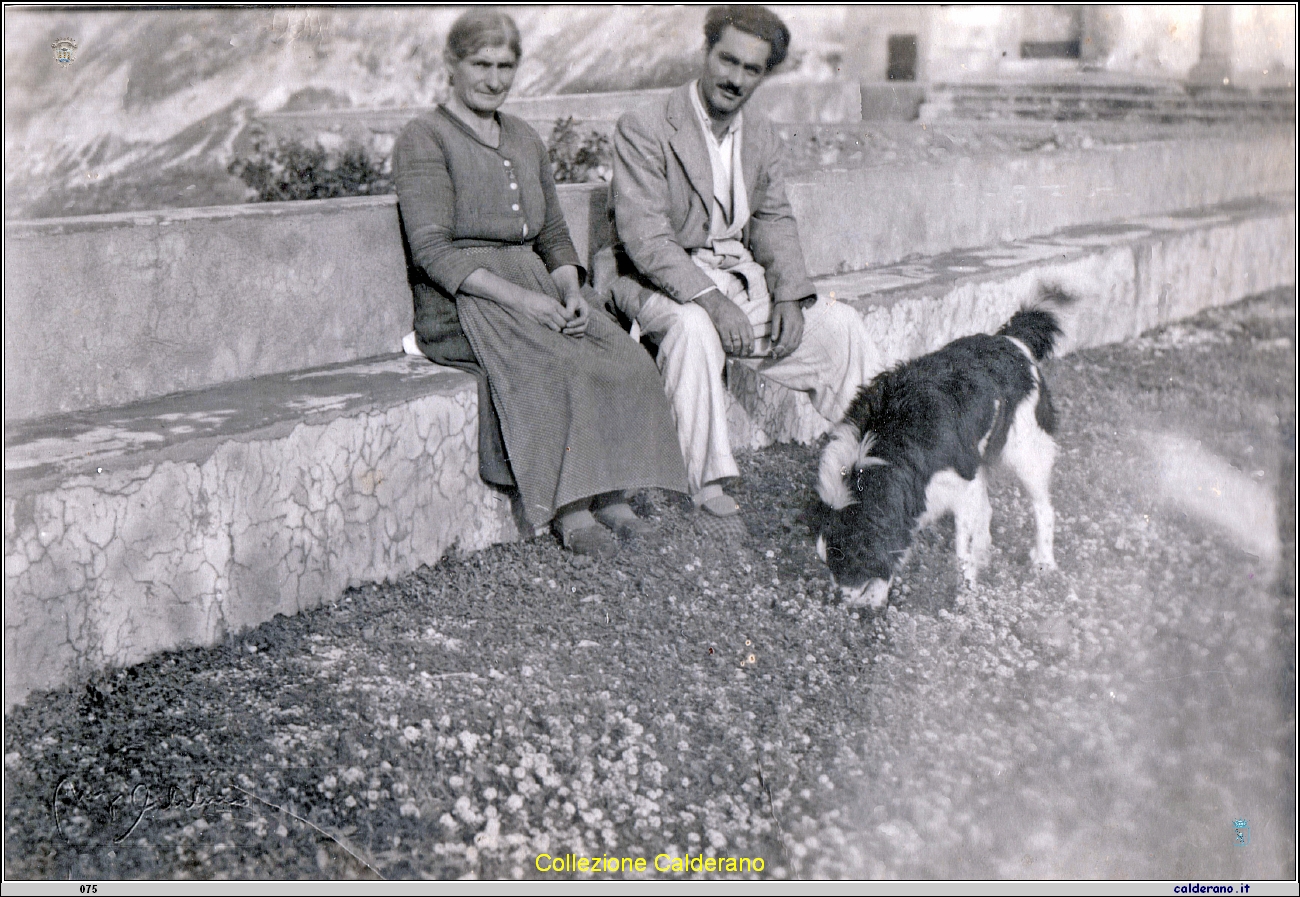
pixel 832 361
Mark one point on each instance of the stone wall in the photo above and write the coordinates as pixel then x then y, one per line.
pixel 856 219
pixel 198 517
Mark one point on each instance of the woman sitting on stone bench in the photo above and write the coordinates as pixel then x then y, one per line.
pixel 497 292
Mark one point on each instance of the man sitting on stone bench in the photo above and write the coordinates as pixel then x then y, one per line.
pixel 708 256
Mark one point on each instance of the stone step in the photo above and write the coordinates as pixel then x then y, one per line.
pixel 1067 101
pixel 178 520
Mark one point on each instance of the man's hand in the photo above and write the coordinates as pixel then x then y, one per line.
pixel 733 327
pixel 787 328
pixel 577 311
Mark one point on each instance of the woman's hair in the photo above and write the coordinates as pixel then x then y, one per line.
pixel 479 28
pixel 756 20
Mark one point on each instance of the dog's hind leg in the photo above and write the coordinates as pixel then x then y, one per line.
pixel 1030 453
pixel 972 514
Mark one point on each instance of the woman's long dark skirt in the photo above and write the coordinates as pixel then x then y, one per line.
pixel 580 416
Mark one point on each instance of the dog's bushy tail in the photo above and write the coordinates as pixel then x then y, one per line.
pixel 1037 326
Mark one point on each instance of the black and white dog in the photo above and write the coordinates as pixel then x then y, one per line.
pixel 917 441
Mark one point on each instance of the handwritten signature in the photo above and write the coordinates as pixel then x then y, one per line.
pixel 84 813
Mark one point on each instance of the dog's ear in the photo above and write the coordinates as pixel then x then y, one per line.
pixel 838 460
pixel 865 458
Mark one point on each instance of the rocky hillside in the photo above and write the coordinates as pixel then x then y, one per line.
pixel 150 112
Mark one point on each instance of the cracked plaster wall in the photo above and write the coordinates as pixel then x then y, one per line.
pixel 108 570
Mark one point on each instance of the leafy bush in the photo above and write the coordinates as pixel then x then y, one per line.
pixel 290 170
pixel 579 158
pixel 287 170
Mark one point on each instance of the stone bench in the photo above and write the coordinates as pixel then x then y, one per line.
pixel 176 520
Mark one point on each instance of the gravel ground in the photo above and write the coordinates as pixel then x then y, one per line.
pixel 1109 719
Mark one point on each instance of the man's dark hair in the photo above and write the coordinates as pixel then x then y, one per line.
pixel 756 20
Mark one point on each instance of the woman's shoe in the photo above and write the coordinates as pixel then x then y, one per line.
pixel 594 541
pixel 716 503
pixel 626 525
pixel 591 541
pixel 718 517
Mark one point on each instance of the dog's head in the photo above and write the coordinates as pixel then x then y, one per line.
pixel 861 533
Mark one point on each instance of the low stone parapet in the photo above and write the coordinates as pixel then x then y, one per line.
pixel 898 100
pixel 784 101
pixel 858 219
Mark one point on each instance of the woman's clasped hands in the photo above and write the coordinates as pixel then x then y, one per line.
pixel 577 311
pixel 569 318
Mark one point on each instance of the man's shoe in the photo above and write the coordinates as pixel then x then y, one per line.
pixel 721 505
